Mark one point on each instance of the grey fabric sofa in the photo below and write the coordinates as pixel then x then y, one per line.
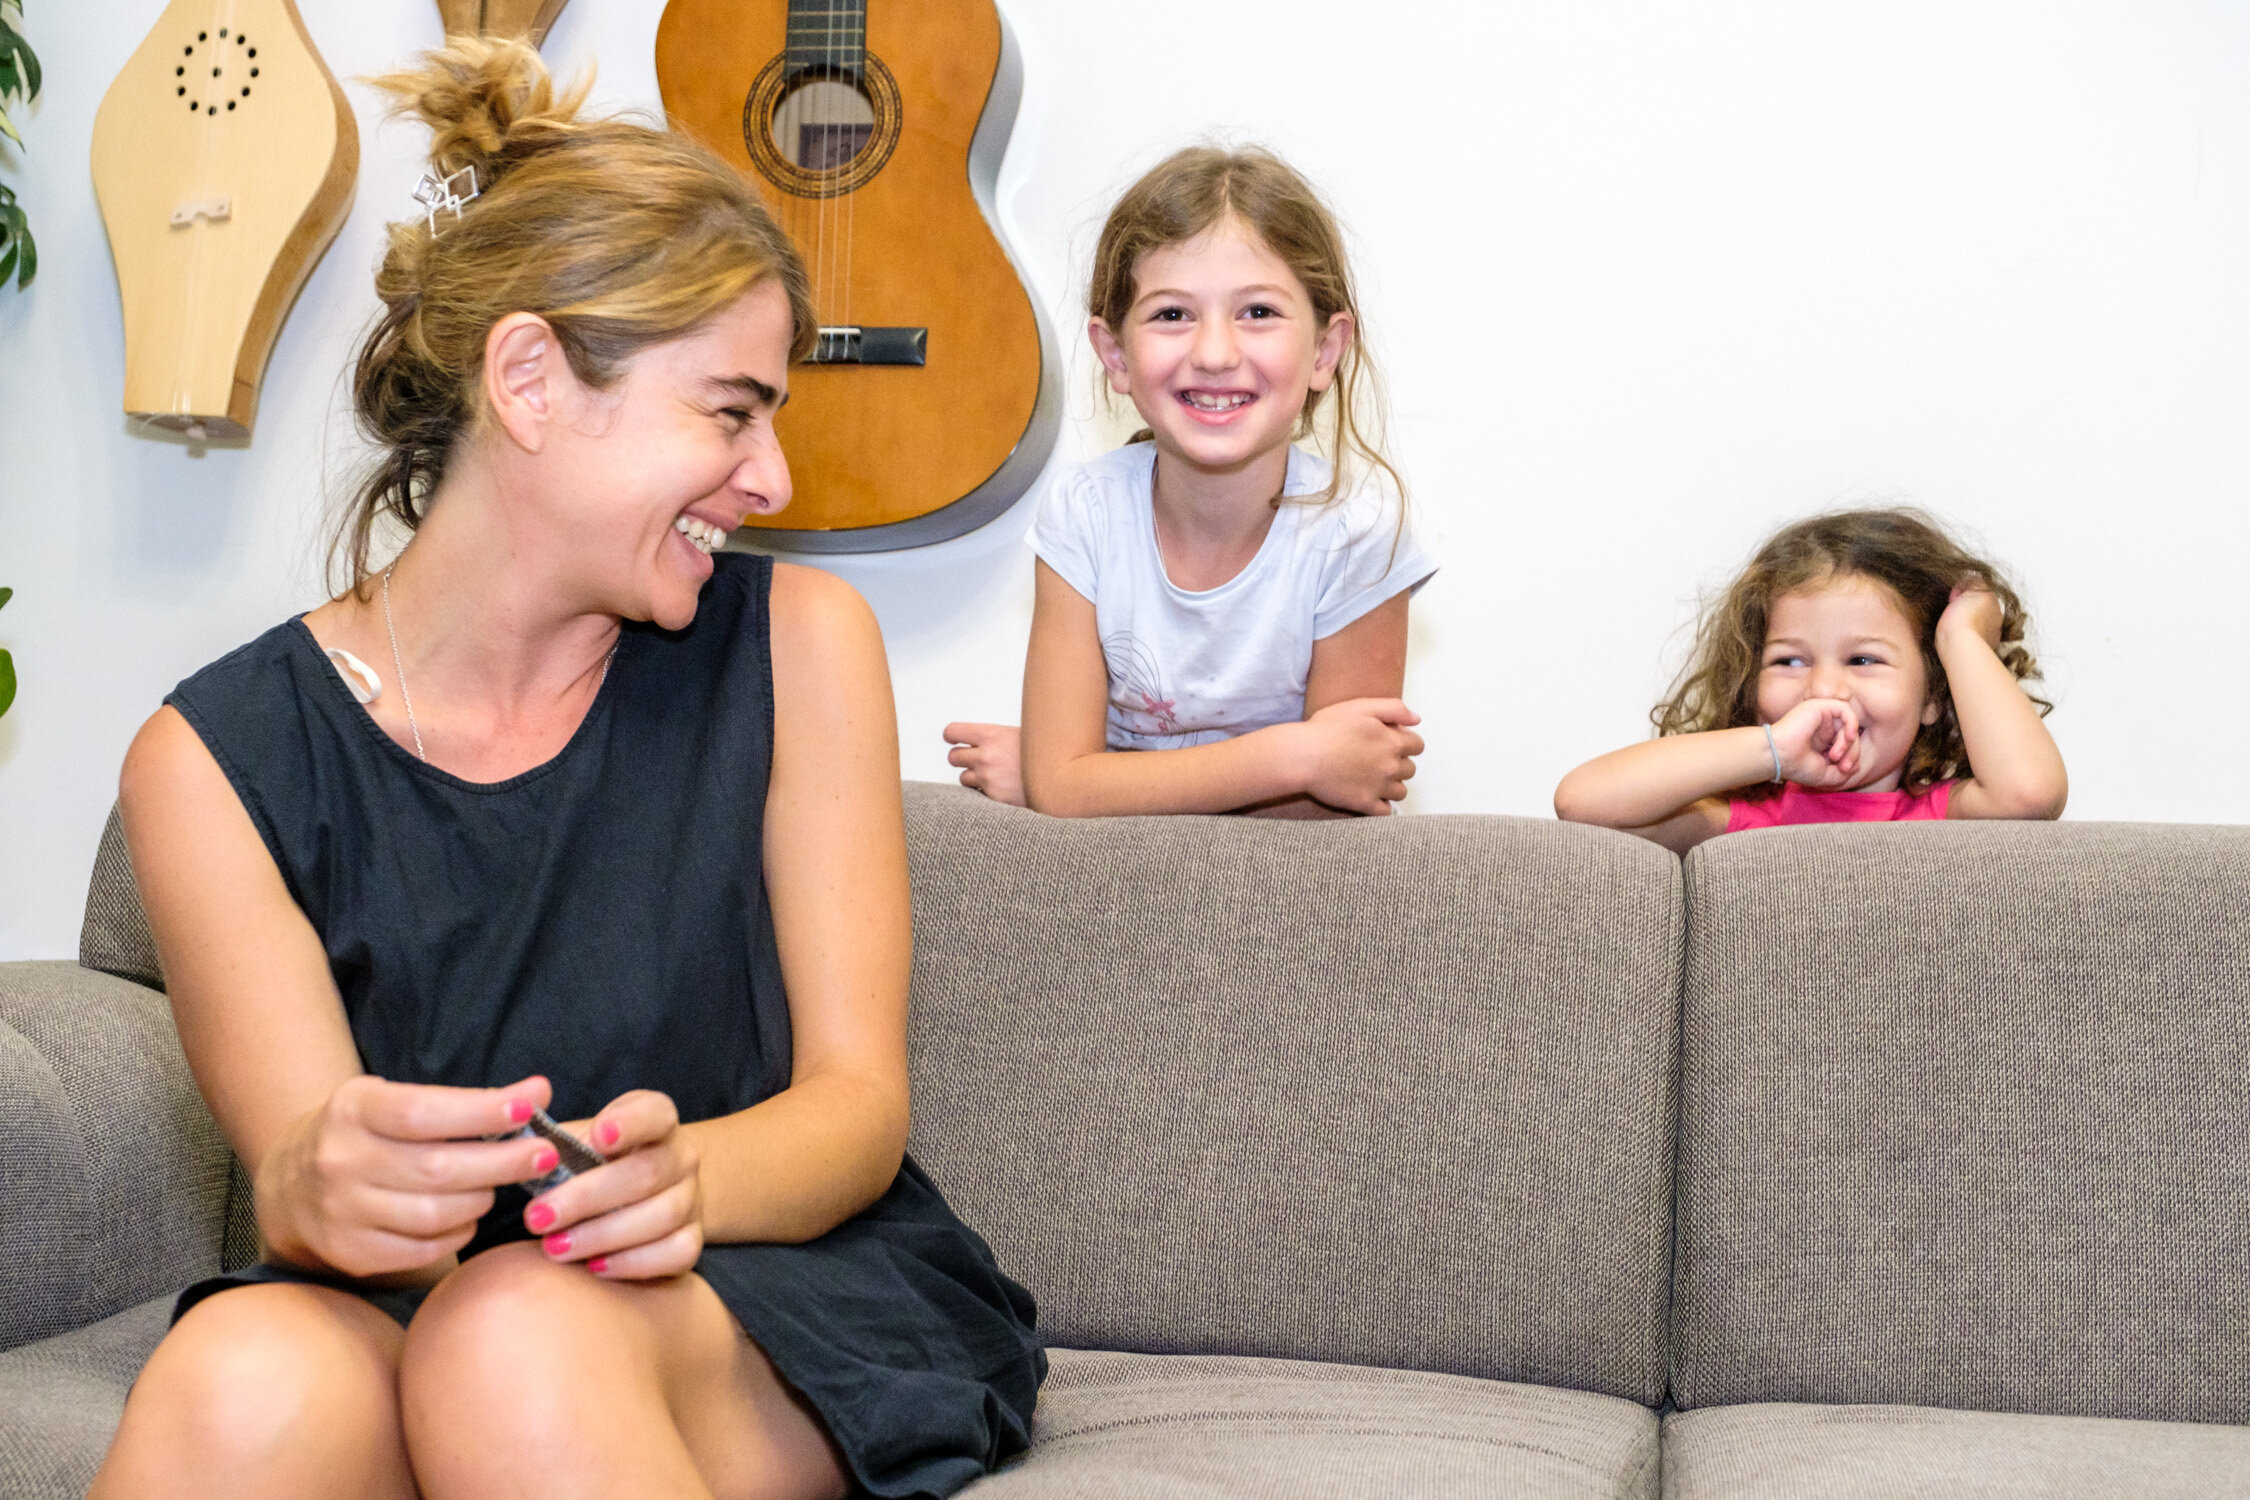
pixel 1446 1156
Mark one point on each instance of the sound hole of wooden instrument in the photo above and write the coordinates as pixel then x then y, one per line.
pixel 219 76
pixel 821 135
pixel 822 124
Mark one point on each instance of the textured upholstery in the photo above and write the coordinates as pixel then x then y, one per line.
pixel 1169 1427
pixel 60 1400
pixel 1963 1120
pixel 114 1177
pixel 114 938
pixel 1394 1092
pixel 1918 1453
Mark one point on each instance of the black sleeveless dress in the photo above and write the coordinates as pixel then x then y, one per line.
pixel 602 919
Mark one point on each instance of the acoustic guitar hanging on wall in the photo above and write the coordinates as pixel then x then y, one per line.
pixel 875 129
pixel 224 159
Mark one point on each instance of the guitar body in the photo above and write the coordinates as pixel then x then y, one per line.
pixel 216 220
pixel 893 210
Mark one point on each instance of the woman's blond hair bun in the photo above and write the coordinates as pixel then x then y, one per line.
pixel 488 102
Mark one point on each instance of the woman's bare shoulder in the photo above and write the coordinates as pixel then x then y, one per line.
pixel 814 592
pixel 166 759
pixel 818 615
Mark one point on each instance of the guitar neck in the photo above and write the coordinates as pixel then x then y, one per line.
pixel 827 37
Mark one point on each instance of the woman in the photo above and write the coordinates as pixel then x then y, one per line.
pixel 617 834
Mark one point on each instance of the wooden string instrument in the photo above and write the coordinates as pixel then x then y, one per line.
pixel 875 129
pixel 524 20
pixel 224 159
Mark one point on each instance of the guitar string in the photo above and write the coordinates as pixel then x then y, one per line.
pixel 820 200
pixel 851 199
pixel 829 154
pixel 192 317
pixel 200 189
pixel 826 205
pixel 818 60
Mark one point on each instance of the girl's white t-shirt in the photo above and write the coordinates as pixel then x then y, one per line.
pixel 1188 668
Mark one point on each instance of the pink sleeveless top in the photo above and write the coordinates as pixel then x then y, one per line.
pixel 1796 805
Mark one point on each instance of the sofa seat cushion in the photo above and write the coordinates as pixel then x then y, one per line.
pixel 1787 1451
pixel 1155 1427
pixel 60 1399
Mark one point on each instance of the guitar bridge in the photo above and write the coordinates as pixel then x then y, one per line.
pixel 853 345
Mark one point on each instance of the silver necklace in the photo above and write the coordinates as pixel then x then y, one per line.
pixel 398 667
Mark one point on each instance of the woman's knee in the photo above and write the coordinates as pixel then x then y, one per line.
pixel 493 1328
pixel 263 1380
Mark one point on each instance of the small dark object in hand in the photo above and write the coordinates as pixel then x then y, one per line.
pixel 576 1155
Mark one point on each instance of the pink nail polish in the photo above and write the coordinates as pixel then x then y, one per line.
pixel 607 1132
pixel 556 1244
pixel 538 1217
pixel 545 1161
pixel 519 1111
pixel 598 1264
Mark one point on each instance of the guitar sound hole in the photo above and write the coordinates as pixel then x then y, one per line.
pixel 822 125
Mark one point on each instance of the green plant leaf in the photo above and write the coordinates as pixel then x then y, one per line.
pixel 19 65
pixel 7 681
pixel 18 254
pixel 5 596
pixel 20 81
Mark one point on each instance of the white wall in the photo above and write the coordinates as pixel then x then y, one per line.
pixel 1647 279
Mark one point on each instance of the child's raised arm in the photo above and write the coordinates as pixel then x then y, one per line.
pixel 1672 790
pixel 1354 755
pixel 2018 770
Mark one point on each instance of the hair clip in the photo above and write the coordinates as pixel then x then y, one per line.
pixel 438 195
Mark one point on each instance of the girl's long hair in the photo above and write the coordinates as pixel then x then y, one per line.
pixel 1901 549
pixel 618 235
pixel 1192 191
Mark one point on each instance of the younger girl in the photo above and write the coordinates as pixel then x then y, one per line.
pixel 1223 602
pixel 1863 669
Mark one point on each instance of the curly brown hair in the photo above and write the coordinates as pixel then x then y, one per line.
pixel 1901 549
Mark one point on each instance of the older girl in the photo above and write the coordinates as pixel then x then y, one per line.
pixel 557 809
pixel 1864 668
pixel 1227 605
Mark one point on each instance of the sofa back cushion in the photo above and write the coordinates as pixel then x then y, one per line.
pixel 1395 1091
pixel 114 937
pixel 1963 1120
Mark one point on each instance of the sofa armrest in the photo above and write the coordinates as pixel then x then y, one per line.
pixel 113 1176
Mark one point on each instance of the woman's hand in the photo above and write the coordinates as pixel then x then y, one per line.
pixel 991 759
pixel 387 1178
pixel 1818 742
pixel 1358 755
pixel 639 1216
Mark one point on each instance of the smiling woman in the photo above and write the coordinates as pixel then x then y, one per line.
pixel 573 851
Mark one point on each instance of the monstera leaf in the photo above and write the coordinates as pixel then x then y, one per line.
pixel 7 663
pixel 19 84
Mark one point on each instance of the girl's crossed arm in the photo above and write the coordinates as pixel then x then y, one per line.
pixel 1353 754
pixel 1672 790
